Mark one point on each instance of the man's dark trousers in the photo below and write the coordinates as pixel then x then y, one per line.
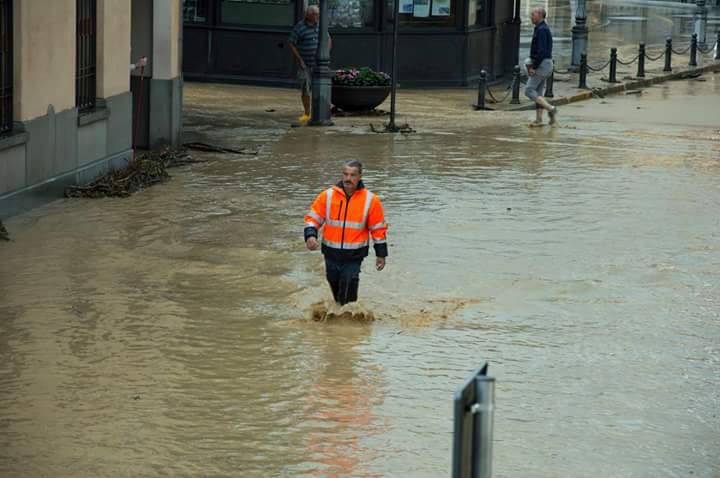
pixel 344 278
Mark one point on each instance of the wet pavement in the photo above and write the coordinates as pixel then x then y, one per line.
pixel 167 335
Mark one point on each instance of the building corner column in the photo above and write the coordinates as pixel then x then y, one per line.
pixel 166 85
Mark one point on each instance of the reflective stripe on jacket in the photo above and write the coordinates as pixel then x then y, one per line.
pixel 348 223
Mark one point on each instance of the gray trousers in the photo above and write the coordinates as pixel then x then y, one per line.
pixel 536 84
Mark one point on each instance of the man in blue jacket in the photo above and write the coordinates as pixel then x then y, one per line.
pixel 541 66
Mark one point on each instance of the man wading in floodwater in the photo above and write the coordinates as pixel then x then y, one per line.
pixel 349 215
pixel 541 66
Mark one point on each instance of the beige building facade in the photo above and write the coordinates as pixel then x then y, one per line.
pixel 72 104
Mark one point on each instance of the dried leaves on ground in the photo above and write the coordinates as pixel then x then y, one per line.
pixel 141 172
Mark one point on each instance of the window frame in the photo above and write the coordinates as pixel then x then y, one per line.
pixel 292 6
pixel 86 55
pixel 208 12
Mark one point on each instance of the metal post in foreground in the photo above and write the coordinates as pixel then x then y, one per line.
pixel 700 21
pixel 473 426
pixel 693 50
pixel 549 89
pixel 579 35
pixel 482 90
pixel 641 61
pixel 516 86
pixel 668 55
pixel 717 47
pixel 612 78
pixel 322 78
pixel 583 72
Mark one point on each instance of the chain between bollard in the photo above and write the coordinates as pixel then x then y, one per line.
pixel 712 49
pixel 628 63
pixel 656 58
pixel 706 51
pixel 682 52
pixel 594 69
pixel 642 55
pixel 507 94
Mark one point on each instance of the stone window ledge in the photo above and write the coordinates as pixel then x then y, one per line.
pixel 93 116
pixel 12 139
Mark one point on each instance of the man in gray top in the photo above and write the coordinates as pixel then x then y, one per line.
pixel 304 41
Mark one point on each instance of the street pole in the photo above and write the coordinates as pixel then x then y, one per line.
pixel 322 78
pixel 393 91
pixel 579 35
pixel 700 22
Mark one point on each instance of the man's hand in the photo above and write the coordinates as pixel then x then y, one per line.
pixel 312 243
pixel 380 263
pixel 531 71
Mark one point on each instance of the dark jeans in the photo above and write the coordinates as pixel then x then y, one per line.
pixel 344 279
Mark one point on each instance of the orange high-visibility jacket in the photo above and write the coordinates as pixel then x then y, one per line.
pixel 348 223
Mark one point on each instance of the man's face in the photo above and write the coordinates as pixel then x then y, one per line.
pixel 351 178
pixel 312 18
pixel 536 17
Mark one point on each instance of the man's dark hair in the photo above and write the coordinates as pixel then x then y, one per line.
pixel 354 163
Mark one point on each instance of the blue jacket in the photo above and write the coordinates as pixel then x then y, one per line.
pixel 542 44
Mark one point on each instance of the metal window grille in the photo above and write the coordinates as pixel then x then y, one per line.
pixel 86 66
pixel 6 66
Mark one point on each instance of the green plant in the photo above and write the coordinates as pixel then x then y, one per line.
pixel 360 77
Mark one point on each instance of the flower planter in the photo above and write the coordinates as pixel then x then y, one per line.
pixel 359 98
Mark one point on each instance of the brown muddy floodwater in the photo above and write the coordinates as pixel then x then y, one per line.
pixel 166 334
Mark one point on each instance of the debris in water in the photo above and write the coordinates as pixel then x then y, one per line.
pixel 322 312
pixel 4 235
pixel 211 148
pixel 342 113
pixel 633 92
pixel 141 172
pixel 402 129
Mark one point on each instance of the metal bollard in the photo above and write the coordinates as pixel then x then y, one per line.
pixel 693 50
pixel 613 66
pixel 583 72
pixel 549 93
pixel 474 416
pixel 668 55
pixel 482 91
pixel 641 61
pixel 516 86
pixel 717 47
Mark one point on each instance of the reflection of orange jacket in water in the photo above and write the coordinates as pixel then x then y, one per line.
pixel 348 223
pixel 346 416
